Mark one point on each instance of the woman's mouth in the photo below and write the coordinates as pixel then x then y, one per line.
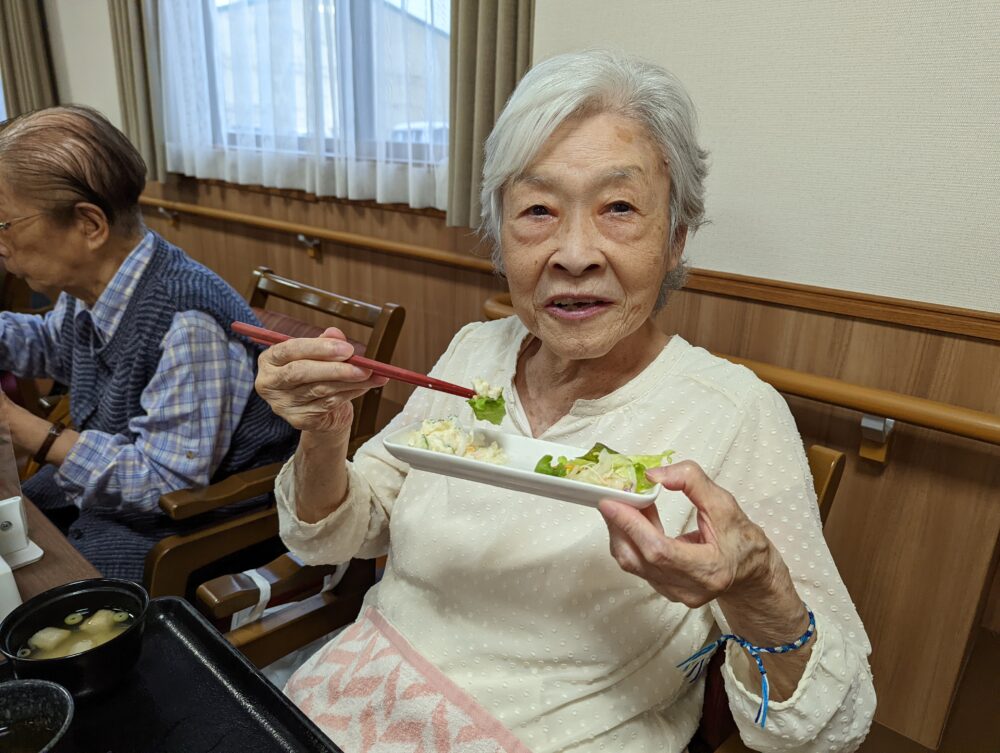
pixel 576 308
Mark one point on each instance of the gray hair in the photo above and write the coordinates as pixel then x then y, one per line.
pixel 592 82
pixel 60 156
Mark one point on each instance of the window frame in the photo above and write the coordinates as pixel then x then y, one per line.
pixel 360 22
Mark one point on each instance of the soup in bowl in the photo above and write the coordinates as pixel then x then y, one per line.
pixel 85 636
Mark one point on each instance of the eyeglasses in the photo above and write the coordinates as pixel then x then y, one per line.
pixel 4 224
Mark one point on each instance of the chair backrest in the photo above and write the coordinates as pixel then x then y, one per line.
pixel 717 725
pixel 827 467
pixel 383 323
pixel 177 564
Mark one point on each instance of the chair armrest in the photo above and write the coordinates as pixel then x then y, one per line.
pixel 186 503
pixel 278 634
pixel 55 407
pixel 222 597
pixel 48 404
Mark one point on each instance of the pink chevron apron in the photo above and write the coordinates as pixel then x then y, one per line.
pixel 370 691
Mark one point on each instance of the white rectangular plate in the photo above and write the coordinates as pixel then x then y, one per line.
pixel 523 453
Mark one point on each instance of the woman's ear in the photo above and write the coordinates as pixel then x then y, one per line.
pixel 676 249
pixel 92 224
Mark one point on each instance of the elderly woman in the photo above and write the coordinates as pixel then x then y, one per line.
pixel 161 395
pixel 501 616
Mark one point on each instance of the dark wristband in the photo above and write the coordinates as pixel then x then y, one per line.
pixel 43 452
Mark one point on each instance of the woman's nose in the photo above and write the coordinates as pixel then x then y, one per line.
pixel 579 248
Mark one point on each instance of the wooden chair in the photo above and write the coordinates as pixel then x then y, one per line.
pixel 382 323
pixel 176 564
pixel 317 614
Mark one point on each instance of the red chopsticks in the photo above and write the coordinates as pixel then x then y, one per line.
pixel 269 337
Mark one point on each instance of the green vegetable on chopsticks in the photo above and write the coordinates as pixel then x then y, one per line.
pixel 488 404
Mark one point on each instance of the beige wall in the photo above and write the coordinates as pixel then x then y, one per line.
pixel 854 145
pixel 84 62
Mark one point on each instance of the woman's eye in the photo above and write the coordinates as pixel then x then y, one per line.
pixel 620 207
pixel 537 210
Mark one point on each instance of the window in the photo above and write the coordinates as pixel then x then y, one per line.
pixel 336 97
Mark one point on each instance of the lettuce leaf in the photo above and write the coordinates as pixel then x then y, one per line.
pixel 606 467
pixel 594 453
pixel 643 463
pixel 545 466
pixel 491 409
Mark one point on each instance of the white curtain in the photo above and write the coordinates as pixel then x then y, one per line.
pixel 344 98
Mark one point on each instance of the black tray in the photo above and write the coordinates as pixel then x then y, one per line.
pixel 191 692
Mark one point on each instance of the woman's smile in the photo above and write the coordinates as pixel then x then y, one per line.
pixel 585 239
pixel 575 307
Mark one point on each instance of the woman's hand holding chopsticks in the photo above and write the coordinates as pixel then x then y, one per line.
pixel 307 382
pixel 268 337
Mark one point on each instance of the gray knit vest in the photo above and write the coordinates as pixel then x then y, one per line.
pixel 106 384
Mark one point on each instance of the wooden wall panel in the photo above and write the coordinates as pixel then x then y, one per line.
pixel 916 541
pixel 438 299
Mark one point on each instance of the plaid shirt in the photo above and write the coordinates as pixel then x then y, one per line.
pixel 192 404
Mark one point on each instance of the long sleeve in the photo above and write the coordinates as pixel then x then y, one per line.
pixel 359 527
pixel 832 707
pixel 29 344
pixel 192 407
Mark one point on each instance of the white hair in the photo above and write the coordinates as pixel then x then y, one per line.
pixel 593 82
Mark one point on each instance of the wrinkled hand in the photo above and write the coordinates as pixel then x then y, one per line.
pixel 307 383
pixel 726 556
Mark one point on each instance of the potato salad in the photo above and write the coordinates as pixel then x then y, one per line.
pixel 445 435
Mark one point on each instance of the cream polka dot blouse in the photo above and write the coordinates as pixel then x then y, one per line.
pixel 517 599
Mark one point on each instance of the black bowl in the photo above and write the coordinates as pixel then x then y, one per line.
pixel 34 715
pixel 89 672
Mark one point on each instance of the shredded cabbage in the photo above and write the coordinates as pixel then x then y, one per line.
pixel 606 467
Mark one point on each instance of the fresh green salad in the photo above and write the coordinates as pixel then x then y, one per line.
pixel 488 404
pixel 603 466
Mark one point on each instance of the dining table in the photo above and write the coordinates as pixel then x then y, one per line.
pixel 190 690
pixel 60 562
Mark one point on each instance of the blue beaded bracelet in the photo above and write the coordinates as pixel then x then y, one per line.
pixel 695 664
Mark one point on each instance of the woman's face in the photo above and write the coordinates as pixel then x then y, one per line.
pixel 584 236
pixel 37 249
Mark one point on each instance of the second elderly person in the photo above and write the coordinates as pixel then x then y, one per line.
pixel 161 393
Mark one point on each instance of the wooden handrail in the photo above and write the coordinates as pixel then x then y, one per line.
pixel 409 250
pixel 930 414
pixel 951 419
pixel 933 317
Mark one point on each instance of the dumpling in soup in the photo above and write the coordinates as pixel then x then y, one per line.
pixel 48 638
pixel 99 622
